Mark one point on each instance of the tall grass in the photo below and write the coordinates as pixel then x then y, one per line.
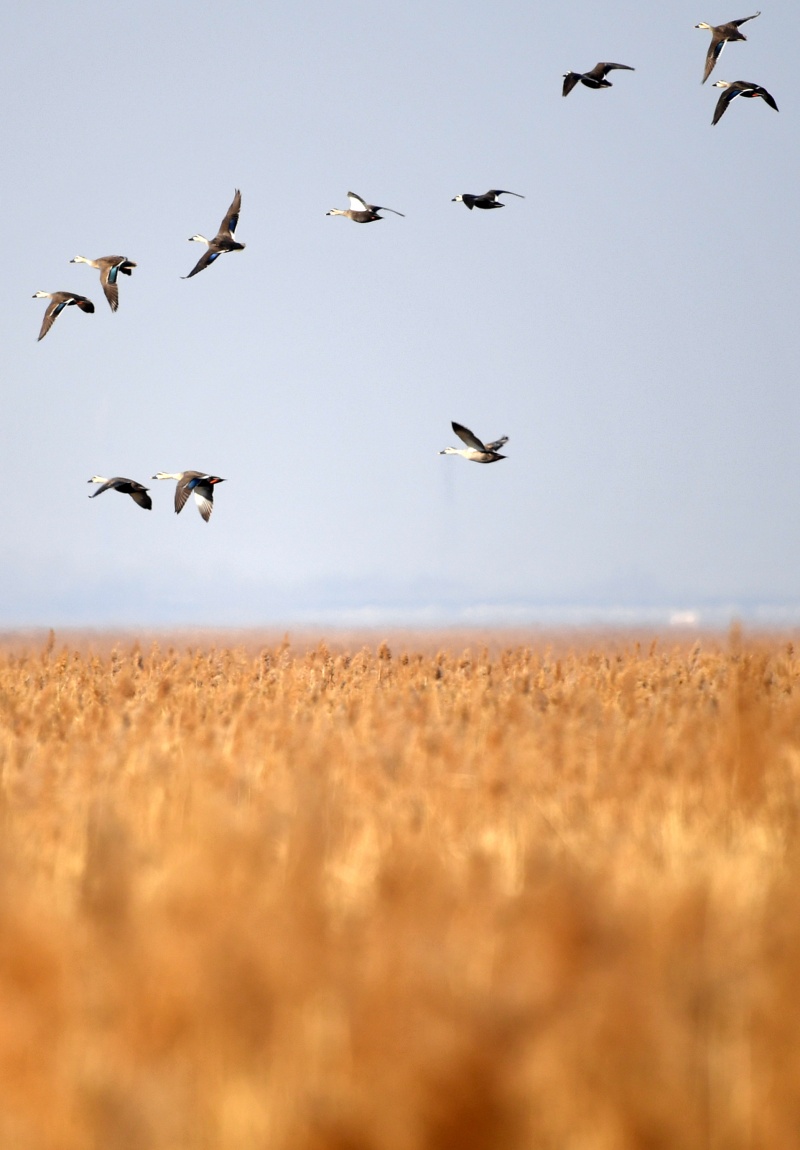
pixel 392 900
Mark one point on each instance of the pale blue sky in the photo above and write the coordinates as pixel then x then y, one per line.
pixel 632 324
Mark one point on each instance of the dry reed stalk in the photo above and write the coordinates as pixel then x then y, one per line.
pixel 400 900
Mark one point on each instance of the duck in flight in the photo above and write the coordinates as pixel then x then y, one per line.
pixel 720 35
pixel 476 451
pixel 58 301
pixel 487 200
pixel 109 268
pixel 137 491
pixel 739 88
pixel 223 241
pixel 193 482
pixel 595 78
pixel 360 212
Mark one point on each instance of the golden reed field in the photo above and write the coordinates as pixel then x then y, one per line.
pixel 393 897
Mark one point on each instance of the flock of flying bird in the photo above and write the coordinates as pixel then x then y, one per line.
pixel 201 485
pixel 721 34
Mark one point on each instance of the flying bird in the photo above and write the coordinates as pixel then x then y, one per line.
pixel 193 482
pixel 223 241
pixel 720 35
pixel 739 88
pixel 475 450
pixel 360 212
pixel 486 201
pixel 58 301
pixel 137 491
pixel 596 78
pixel 109 268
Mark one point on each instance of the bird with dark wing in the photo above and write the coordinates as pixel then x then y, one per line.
pixel 137 491
pixel 360 212
pixel 109 268
pixel 721 34
pixel 739 88
pixel 223 241
pixel 476 451
pixel 195 483
pixel 486 201
pixel 594 78
pixel 58 301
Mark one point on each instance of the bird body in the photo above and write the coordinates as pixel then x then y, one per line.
pixel 720 35
pixel 196 483
pixel 137 491
pixel 360 212
pixel 58 301
pixel 476 451
pixel 594 78
pixel 223 241
pixel 485 201
pixel 739 88
pixel 109 268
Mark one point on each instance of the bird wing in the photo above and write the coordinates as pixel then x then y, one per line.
pixel 231 217
pixel 744 19
pixel 108 279
pixel 52 312
pixel 570 80
pixel 357 204
pixel 377 208
pixel 712 55
pixel 105 486
pixel 728 94
pixel 182 491
pixel 139 495
pixel 764 94
pixel 601 70
pixel 466 436
pixel 206 258
pixel 496 444
pixel 204 498
pixel 499 192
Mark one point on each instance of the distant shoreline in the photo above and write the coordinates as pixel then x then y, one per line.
pixel 399 639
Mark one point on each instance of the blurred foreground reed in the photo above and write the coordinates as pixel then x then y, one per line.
pixel 384 900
